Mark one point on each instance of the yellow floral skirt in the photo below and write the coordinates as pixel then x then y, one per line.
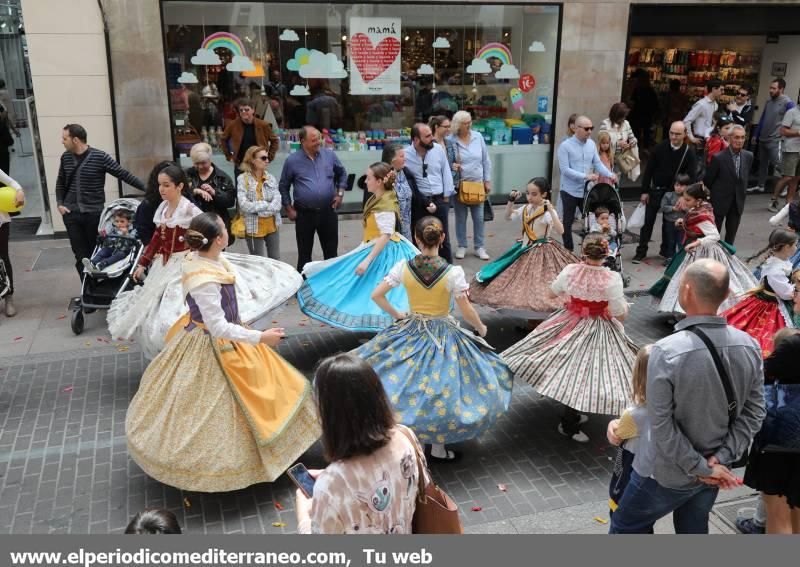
pixel 213 415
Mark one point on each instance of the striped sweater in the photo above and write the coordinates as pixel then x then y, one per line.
pixel 81 187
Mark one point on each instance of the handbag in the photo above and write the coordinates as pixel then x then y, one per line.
pixel 780 431
pixel 435 512
pixel 726 385
pixel 266 226
pixel 488 211
pixel 627 160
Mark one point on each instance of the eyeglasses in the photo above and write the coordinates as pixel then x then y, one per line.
pixel 263 158
pixel 445 126
pixel 587 128
pixel 742 94
pixel 424 169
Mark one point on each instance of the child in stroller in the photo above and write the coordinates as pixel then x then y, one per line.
pixel 602 224
pixel 116 243
pixel 603 209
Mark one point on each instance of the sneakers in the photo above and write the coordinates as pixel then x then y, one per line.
pixel 749 526
pixel 482 254
pixel 637 259
pixel 88 266
pixel 580 436
pixel 460 253
pixel 785 192
pixel 11 309
pixel 756 189
pixel 773 206
pixel 667 261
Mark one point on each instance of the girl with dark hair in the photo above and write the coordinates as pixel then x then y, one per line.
pixel 580 356
pixel 147 312
pixel 520 279
pixel 700 240
pixel 217 409
pixel 768 308
pixel 337 291
pixel 791 214
pixel 143 221
pixel 444 382
pixel 154 522
pixel 370 485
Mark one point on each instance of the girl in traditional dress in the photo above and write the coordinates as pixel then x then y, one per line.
pixel 791 214
pixel 146 313
pixel 701 240
pixel 444 382
pixel 218 410
pixel 337 291
pixel 520 278
pixel 762 312
pixel 581 356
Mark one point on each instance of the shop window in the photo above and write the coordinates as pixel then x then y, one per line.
pixel 364 74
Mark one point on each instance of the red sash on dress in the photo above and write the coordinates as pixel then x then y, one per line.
pixel 585 308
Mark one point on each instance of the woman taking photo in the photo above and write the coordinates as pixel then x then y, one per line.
pixel 211 188
pixel 218 410
pixel 5 232
pixel 260 204
pixel 472 159
pixel 621 133
pixel 371 483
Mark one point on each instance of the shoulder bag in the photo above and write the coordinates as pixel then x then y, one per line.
pixel 435 512
pixel 266 226
pixel 726 385
pixel 469 192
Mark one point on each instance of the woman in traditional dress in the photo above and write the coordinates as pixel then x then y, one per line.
pixel 520 279
pixel 581 356
pixel 791 214
pixel 146 313
pixel 762 312
pixel 337 291
pixel 444 382
pixel 701 240
pixel 218 410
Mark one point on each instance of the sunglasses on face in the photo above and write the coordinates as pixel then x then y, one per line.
pixel 263 158
pixel 741 94
pixel 587 128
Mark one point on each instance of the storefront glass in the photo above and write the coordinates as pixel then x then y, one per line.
pixel 364 73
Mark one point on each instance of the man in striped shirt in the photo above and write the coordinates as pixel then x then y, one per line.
pixel 80 189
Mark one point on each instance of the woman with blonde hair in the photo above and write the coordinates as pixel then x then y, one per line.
pixel 211 189
pixel 472 158
pixel 259 204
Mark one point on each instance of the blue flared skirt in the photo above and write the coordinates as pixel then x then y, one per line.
pixel 334 294
pixel 444 383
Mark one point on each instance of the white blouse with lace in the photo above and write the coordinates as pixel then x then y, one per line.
pixel 182 215
pixel 592 283
pixel 542 226
pixel 777 273
pixel 385 221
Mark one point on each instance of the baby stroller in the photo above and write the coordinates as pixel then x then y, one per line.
pixel 100 287
pixel 607 196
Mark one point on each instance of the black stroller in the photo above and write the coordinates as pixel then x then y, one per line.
pixel 607 196
pixel 100 287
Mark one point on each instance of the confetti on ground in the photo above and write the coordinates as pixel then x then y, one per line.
pixel 278 506
pixel 302 324
pixel 476 508
pixel 67 389
pixel 17 338
pixel 600 520
pixel 61 317
pixel 278 524
pixel 88 343
pixel 274 322
pixel 187 503
pixel 502 488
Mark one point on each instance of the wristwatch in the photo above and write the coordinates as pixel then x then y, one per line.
pixel 341 193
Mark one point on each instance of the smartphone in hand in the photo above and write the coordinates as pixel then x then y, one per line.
pixel 302 478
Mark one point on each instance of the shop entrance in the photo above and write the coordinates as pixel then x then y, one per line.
pixel 673 51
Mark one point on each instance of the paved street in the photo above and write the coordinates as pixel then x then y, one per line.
pixel 64 467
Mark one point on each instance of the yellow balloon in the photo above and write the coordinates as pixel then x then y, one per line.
pixel 8 197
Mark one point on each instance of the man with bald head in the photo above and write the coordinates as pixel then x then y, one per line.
pixel 319 180
pixel 693 439
pixel 578 162
pixel 668 159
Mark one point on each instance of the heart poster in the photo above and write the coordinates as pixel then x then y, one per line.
pixel 374 49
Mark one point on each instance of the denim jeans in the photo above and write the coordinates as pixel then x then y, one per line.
pixel 461 223
pixel 645 501
pixel 674 235
pixel 767 154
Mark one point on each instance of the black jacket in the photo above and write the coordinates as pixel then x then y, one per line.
pixel 662 167
pixel 722 181
pixel 745 117
pixel 81 188
pixel 224 193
